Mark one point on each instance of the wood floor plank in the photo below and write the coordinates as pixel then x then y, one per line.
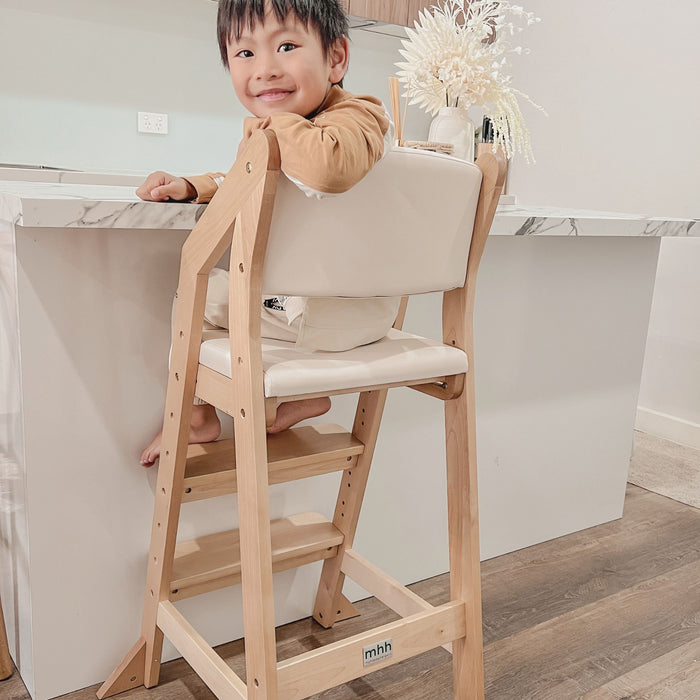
pixel 667 468
pixel 598 642
pixel 533 585
pixel 13 688
pixel 673 676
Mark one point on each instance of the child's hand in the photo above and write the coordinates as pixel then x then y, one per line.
pixel 161 187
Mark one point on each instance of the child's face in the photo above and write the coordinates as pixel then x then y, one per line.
pixel 281 67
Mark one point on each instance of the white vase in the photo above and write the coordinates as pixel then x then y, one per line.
pixel 453 125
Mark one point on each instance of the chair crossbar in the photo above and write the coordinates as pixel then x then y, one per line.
pixel 209 666
pixel 389 591
pixel 383 587
pixel 215 388
pixel 343 661
pixel 434 385
pixel 445 389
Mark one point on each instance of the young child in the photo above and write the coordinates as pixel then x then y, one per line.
pixel 287 60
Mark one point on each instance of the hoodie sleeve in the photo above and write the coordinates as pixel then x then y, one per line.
pixel 334 150
pixel 328 153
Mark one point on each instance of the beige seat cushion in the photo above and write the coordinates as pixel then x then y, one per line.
pixel 290 371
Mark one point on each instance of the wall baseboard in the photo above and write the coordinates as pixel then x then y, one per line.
pixel 668 427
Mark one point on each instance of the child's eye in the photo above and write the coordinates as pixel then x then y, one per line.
pixel 244 53
pixel 287 46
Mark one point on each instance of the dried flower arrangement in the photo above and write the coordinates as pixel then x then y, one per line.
pixel 456 57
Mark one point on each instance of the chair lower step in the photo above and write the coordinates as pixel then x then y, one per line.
pixel 214 561
pixel 293 454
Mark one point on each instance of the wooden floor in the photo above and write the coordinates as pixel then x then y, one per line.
pixel 610 612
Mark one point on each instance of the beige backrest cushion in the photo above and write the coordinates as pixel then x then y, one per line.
pixel 404 229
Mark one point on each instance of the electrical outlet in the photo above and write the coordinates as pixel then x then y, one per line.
pixel 153 123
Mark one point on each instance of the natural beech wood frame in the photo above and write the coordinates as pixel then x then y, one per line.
pixel 239 216
pixel 5 660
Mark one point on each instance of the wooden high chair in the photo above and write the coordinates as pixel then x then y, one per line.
pixel 416 223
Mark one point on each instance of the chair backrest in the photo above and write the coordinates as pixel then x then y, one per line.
pixel 404 229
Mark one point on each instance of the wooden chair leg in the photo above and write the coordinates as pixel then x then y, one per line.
pixel 171 467
pixel 6 666
pixel 250 414
pixel 331 606
pixel 463 525
pixel 163 537
pixel 256 559
pixel 141 665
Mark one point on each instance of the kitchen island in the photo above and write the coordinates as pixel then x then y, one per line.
pixel 87 276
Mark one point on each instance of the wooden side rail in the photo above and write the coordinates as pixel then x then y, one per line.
pixel 209 666
pixel 382 586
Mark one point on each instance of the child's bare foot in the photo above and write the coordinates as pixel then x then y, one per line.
pixel 204 427
pixel 291 412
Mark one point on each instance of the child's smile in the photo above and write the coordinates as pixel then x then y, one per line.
pixel 272 96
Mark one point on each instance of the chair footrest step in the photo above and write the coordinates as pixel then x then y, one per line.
pixel 214 561
pixel 296 453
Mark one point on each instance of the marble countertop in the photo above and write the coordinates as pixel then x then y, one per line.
pixel 74 205
pixel 526 220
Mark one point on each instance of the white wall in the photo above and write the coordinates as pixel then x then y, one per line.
pixel 619 81
pixel 76 72
pixel 669 400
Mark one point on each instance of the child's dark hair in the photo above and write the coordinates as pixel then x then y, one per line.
pixel 326 16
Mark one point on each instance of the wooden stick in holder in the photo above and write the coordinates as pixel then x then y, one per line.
pixel 396 107
pixel 405 109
